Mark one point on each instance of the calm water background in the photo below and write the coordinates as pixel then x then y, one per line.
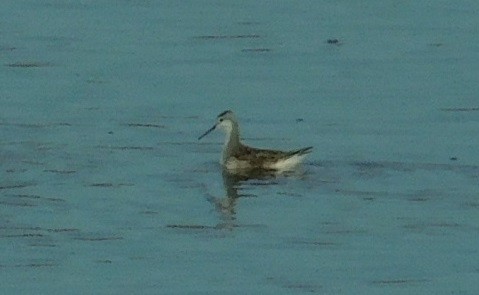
pixel 105 190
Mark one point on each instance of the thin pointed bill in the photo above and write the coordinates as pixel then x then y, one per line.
pixel 206 133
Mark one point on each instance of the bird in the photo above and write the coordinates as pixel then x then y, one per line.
pixel 238 156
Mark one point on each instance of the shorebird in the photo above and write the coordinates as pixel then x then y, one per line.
pixel 239 156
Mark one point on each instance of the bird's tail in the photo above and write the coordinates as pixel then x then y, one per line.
pixel 302 151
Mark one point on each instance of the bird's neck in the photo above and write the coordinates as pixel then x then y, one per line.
pixel 232 143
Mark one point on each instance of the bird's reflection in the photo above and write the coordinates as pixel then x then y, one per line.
pixel 233 184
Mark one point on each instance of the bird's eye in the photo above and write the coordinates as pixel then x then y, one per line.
pixel 221 120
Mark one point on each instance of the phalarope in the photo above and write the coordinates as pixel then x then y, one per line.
pixel 239 156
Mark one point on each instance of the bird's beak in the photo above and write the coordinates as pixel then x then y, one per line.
pixel 206 133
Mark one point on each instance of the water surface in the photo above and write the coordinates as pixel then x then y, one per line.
pixel 104 188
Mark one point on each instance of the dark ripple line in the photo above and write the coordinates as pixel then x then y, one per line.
pixel 219 37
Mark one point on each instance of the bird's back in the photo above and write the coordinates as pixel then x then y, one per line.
pixel 249 157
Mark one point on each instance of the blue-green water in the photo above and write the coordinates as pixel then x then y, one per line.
pixel 104 188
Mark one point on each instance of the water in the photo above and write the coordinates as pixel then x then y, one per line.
pixel 104 188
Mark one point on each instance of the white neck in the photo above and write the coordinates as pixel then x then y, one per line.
pixel 231 141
